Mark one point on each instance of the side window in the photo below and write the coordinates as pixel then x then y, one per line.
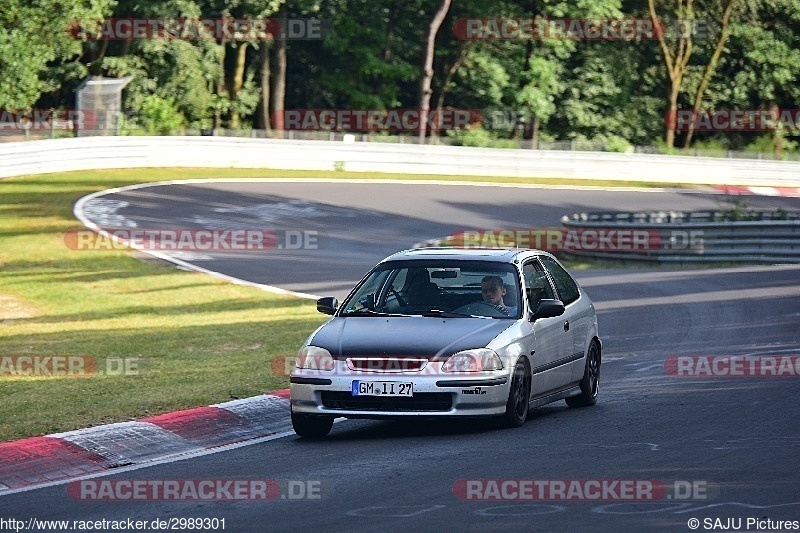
pixel 399 280
pixel 391 304
pixel 536 283
pixel 566 286
pixel 366 296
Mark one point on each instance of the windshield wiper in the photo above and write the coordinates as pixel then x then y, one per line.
pixel 368 312
pixel 448 314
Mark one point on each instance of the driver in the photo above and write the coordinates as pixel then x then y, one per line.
pixel 493 291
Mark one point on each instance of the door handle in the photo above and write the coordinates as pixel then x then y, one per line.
pixel 566 325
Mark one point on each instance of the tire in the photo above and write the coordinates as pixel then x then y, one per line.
pixel 590 384
pixel 311 426
pixel 519 396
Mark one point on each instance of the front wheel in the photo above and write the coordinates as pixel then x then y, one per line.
pixel 590 384
pixel 311 426
pixel 519 396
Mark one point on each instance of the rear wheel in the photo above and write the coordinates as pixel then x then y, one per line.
pixel 590 384
pixel 311 426
pixel 519 396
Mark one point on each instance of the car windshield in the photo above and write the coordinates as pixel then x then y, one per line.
pixel 448 289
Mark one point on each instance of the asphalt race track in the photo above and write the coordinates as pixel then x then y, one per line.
pixel 723 447
pixel 358 225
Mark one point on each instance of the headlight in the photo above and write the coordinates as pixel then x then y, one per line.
pixel 478 360
pixel 314 358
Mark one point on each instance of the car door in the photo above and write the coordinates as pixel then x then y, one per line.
pixel 577 317
pixel 547 341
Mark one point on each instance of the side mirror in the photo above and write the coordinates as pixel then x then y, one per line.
pixel 548 308
pixel 327 305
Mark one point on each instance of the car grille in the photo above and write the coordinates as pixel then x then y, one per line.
pixel 386 364
pixel 423 401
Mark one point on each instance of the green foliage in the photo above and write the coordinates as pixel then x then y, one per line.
pixel 608 93
pixel 247 97
pixel 159 116
pixel 615 143
pixel 766 144
pixel 542 81
pixel 33 36
pixel 736 209
pixel 486 79
pixel 479 137
pixel 371 60
pixel 608 143
pixel 719 144
pixel 184 71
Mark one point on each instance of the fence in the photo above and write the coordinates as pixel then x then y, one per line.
pixel 61 155
pixel 17 135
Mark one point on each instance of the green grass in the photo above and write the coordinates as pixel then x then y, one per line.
pixel 199 340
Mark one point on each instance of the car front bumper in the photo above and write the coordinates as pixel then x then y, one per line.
pixel 440 395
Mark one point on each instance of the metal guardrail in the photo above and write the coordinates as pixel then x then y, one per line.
pixel 699 236
pixel 19 135
pixel 85 153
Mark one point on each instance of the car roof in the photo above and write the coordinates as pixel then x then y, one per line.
pixel 495 255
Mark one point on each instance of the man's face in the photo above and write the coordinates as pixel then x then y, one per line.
pixel 493 292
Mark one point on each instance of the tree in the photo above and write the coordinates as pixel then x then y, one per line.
pixel 710 67
pixel 33 36
pixel 264 83
pixel 676 56
pixel 425 91
pixel 278 93
pixel 611 93
pixel 370 61
pixel 762 68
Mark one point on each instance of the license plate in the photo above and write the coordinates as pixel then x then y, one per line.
pixel 382 388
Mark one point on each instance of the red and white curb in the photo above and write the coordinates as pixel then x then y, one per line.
pixel 59 457
pixel 790 192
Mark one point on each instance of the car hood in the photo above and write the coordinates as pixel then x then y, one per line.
pixel 413 336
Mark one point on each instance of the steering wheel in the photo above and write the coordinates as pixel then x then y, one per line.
pixel 483 309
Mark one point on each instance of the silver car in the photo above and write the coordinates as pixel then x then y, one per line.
pixel 442 332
